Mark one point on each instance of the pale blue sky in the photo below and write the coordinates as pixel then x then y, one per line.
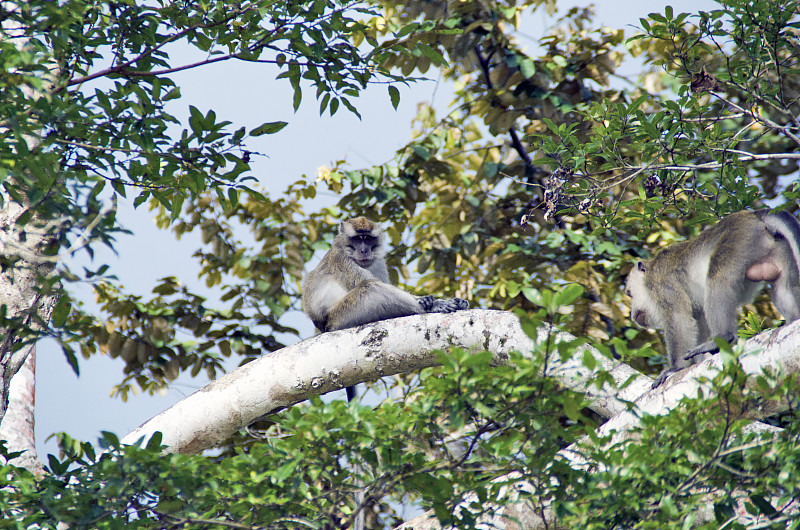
pixel 247 96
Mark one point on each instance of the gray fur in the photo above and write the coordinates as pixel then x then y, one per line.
pixel 693 290
pixel 350 286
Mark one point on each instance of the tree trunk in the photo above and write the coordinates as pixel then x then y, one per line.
pixel 24 265
pixel 17 427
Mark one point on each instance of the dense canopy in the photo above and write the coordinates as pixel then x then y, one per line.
pixel 548 176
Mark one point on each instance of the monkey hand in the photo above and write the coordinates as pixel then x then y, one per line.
pixel 430 304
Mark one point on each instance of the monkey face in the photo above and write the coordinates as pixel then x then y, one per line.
pixel 642 309
pixel 361 240
pixel 362 250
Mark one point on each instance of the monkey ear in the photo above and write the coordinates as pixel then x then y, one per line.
pixel 641 266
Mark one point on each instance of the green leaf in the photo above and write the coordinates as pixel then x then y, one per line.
pixel 61 312
pixel 72 360
pixel 119 187
pixel 351 108
pixel 588 360
pixel 421 152
pixel 527 67
pixel 177 206
pixel 297 98
pixel 109 440
pixel 56 466
pixel 196 119
pixel 268 128
pixel 432 54
pixel 533 295
pixel 568 295
pixel 154 443
pixel 286 470
pixel 394 94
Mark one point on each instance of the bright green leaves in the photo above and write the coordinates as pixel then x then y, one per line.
pixel 61 311
pixel 718 122
pixel 320 454
pixel 468 431
pixel 553 302
pixel 506 416
pixel 685 466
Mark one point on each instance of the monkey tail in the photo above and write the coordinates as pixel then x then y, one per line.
pixel 788 227
pixel 360 521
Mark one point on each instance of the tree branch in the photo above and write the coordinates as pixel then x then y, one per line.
pixel 775 350
pixel 149 50
pixel 335 360
pixel 516 143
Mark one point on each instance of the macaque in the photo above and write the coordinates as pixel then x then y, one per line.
pixel 692 290
pixel 350 286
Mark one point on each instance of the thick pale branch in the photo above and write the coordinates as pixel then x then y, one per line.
pixel 338 359
pixel 334 360
pixel 776 350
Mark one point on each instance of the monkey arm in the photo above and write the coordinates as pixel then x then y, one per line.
pixel 681 331
pixel 371 301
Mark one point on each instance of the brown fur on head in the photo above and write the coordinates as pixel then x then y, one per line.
pixel 360 226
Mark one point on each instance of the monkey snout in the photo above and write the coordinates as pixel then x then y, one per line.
pixel 640 317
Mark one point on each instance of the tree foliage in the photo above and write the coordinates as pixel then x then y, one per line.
pixel 550 169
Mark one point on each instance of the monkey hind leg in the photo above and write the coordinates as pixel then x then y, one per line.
pixel 431 304
pixel 351 393
pixel 786 288
pixel 787 300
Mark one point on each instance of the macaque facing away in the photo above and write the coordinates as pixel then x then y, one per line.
pixel 692 290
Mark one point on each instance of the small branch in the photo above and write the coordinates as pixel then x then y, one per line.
pixel 140 73
pixel 761 119
pixel 150 50
pixel 746 157
pixel 516 143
